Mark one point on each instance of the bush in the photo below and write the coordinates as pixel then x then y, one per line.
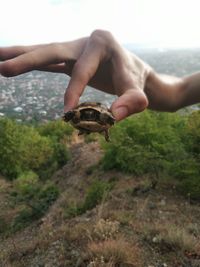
pixel 61 154
pixel 190 184
pixel 190 187
pixel 26 183
pixel 56 130
pixel 9 142
pixel 95 194
pixel 3 225
pixel 34 197
pixel 23 149
pixel 146 143
pixel 22 220
pixel 192 136
pixel 158 144
pixel 47 195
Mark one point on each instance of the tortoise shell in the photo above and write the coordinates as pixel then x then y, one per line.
pixel 90 117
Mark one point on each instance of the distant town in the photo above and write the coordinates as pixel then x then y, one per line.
pixel 38 96
pixel 32 96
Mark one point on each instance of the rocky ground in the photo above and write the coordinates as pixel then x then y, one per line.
pixel 139 223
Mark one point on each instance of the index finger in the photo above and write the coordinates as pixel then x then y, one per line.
pixel 83 71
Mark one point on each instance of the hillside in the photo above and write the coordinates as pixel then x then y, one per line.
pixel 137 222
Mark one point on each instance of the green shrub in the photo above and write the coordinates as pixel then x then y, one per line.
pixel 95 194
pixel 9 142
pixel 61 154
pixel 192 136
pixel 3 225
pixel 47 195
pixel 146 143
pixel 73 210
pixel 23 149
pixel 190 187
pixel 89 138
pixel 35 150
pixel 158 144
pixel 56 130
pixel 26 183
pixel 34 197
pixel 22 220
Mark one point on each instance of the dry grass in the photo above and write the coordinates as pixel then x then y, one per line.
pixel 101 263
pixel 114 253
pixel 169 237
pixel 105 229
pixel 179 238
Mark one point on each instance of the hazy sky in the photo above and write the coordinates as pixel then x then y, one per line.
pixel 163 22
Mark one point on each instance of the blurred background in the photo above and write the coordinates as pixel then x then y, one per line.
pixel 164 34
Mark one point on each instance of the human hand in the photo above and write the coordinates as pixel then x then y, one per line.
pixel 98 60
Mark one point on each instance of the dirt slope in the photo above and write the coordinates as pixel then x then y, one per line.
pixel 138 223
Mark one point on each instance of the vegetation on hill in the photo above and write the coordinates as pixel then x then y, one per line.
pixel 129 204
pixel 24 148
pixel 162 145
pixel 29 156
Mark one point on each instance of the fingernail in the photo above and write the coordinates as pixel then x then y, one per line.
pixel 120 113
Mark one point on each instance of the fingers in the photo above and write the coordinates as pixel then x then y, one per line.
pixel 22 59
pixel 33 60
pixel 132 101
pixel 84 69
pixel 14 51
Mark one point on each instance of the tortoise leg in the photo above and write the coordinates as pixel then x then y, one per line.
pixel 106 134
pixel 81 133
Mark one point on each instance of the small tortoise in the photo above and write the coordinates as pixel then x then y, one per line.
pixel 90 117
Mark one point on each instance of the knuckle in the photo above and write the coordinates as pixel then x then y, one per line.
pixel 101 36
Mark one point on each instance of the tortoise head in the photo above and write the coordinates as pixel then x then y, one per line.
pixel 68 116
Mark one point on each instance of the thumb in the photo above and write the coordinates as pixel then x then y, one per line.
pixel 132 101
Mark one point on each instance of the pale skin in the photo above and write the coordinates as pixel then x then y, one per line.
pixel 100 61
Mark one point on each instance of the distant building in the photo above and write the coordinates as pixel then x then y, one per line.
pixel 18 109
pixel 43 112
